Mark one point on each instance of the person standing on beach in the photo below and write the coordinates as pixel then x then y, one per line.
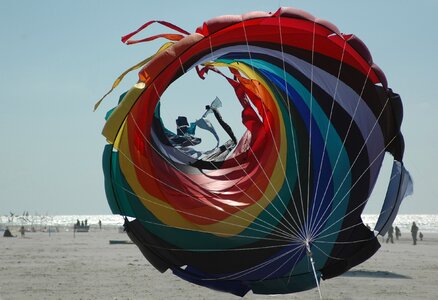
pixel 397 233
pixel 414 231
pixel 22 231
pixel 390 235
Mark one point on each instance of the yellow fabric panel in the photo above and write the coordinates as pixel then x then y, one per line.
pixel 118 116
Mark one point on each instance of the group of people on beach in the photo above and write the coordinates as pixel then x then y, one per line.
pixel 81 223
pixel 7 232
pixel 414 233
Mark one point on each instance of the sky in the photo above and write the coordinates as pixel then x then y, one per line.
pixel 57 58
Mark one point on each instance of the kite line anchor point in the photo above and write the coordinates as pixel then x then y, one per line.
pixel 312 262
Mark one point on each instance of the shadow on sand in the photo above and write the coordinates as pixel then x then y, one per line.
pixel 375 274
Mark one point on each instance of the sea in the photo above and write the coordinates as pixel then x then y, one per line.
pixel 426 223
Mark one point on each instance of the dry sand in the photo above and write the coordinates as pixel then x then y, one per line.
pixel 61 266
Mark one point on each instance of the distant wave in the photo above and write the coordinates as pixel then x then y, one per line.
pixel 61 220
pixel 426 223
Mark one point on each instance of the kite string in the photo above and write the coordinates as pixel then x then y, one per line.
pixel 328 127
pixel 281 238
pixel 270 182
pixel 342 147
pixel 354 162
pixel 291 228
pixel 195 215
pixel 276 229
pixel 270 132
pixel 299 248
pixel 239 164
pixel 347 193
pixel 273 138
pixel 309 158
pixel 195 199
pixel 274 142
pixel 312 262
pixel 326 135
pixel 307 224
pixel 268 227
pixel 286 85
pixel 268 262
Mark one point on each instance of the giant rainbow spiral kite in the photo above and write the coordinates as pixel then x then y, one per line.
pixel 319 117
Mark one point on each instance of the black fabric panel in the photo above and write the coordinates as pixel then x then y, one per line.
pixel 352 254
pixel 160 254
pixel 142 238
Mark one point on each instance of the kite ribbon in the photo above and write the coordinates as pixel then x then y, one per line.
pixel 126 40
pixel 172 37
pixel 135 67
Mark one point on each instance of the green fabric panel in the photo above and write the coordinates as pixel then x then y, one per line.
pixel 109 190
pixel 122 190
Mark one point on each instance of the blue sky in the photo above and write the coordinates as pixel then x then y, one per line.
pixel 59 57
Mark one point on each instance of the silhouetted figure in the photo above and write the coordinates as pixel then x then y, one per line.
pixel 421 236
pixel 86 222
pixel 22 231
pixel 414 231
pixel 100 224
pixel 390 235
pixel 82 223
pixel 397 233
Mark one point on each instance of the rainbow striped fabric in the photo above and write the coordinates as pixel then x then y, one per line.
pixel 319 118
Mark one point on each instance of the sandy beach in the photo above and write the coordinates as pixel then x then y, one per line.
pixel 86 266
